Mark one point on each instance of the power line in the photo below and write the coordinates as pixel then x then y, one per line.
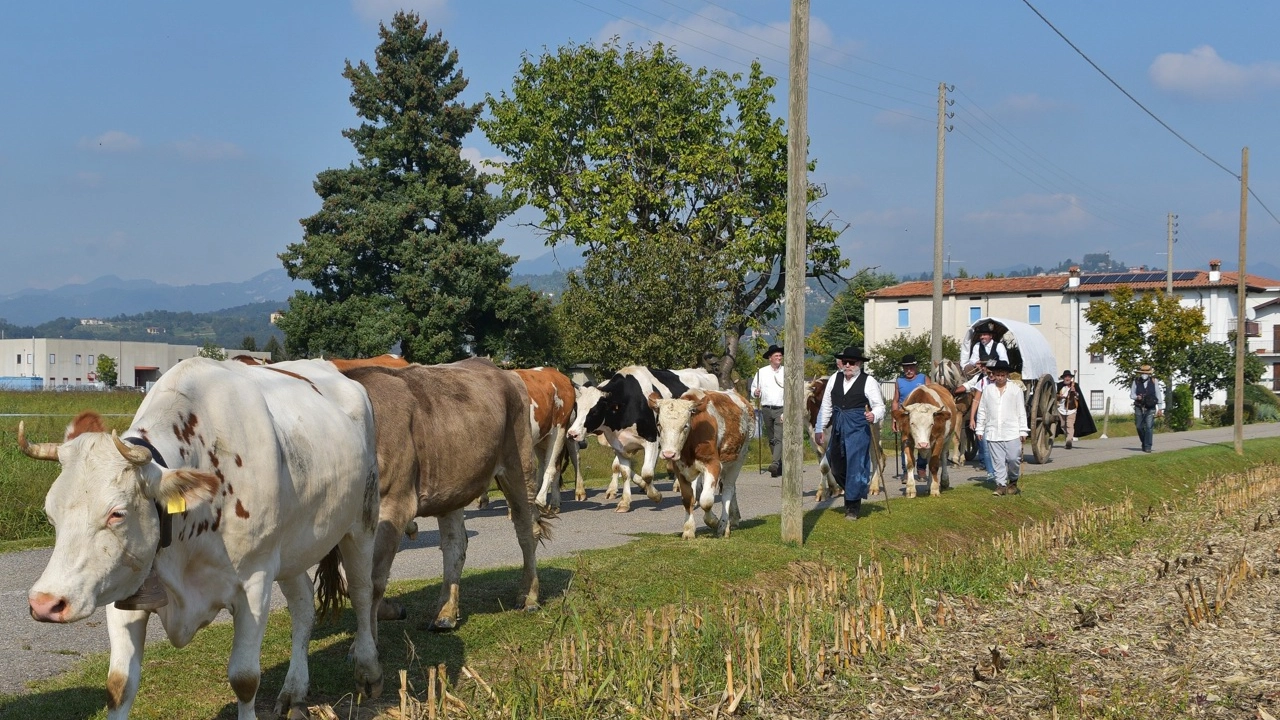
pixel 1135 101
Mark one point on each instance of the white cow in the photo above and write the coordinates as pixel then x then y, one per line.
pixel 275 466
pixel 619 410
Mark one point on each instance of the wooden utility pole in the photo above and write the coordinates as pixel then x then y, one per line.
pixel 794 415
pixel 1241 343
pixel 1168 280
pixel 935 350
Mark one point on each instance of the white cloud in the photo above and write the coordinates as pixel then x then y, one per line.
pixel 1027 104
pixel 198 148
pixel 717 35
pixel 492 165
pixel 1042 215
pixel 374 11
pixel 1204 75
pixel 111 141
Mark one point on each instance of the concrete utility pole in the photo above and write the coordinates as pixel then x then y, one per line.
pixel 1241 344
pixel 935 350
pixel 794 416
pixel 1168 281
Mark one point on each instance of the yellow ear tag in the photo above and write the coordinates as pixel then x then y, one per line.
pixel 176 505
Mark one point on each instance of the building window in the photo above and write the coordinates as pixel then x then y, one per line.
pixel 91 362
pixel 1033 314
pixel 19 358
pixel 1095 400
pixel 53 359
pixel 904 317
pixel 31 360
pixel 975 314
pixel 77 358
pixel 1095 357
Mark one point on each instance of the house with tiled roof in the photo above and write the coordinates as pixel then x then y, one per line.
pixel 1055 305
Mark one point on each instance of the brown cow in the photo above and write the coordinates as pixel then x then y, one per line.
pixel 387 360
pixel 929 421
pixel 443 432
pixel 551 410
pixel 705 433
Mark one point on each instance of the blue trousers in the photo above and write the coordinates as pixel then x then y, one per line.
pixel 1145 419
pixel 849 453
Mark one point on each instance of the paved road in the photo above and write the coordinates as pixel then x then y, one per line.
pixel 31 650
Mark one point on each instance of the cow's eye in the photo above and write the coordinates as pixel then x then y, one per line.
pixel 117 516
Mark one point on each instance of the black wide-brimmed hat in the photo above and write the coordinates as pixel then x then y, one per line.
pixel 908 360
pixel 987 327
pixel 1000 366
pixel 1066 374
pixel 851 353
pixel 771 350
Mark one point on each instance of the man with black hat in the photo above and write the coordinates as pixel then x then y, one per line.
pixel 854 398
pixel 909 380
pixel 766 388
pixel 1148 404
pixel 987 347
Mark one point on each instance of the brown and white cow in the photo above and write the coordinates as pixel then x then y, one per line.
pixel 260 472
pixel 444 432
pixel 551 411
pixel 705 433
pixel 385 360
pixel 928 416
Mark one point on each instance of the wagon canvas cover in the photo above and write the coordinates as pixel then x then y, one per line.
pixel 1037 357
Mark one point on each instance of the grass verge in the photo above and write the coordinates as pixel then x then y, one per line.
pixel 645 629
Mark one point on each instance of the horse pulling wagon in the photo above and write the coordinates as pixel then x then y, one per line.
pixel 1031 362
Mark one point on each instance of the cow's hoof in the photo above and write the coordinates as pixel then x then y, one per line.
pixel 370 689
pixel 580 495
pixel 444 625
pixel 652 493
pixel 623 507
pixel 389 611
pixel 411 530
pixel 298 712
pixel 935 493
pixel 531 607
pixel 687 535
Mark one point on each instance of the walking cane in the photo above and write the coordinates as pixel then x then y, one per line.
pixel 759 440
pixel 884 486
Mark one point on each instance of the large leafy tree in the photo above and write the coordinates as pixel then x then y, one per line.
pixel 1211 366
pixel 1149 328
pixel 398 251
pixel 674 180
pixel 886 358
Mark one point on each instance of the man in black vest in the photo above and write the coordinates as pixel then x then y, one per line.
pixel 1148 404
pixel 855 399
pixel 987 348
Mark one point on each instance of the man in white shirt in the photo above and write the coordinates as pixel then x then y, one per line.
pixel 854 398
pixel 1002 422
pixel 766 389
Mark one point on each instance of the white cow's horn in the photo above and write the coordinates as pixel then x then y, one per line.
pixel 135 454
pixel 39 451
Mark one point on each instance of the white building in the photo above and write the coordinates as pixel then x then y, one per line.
pixel 71 363
pixel 1055 304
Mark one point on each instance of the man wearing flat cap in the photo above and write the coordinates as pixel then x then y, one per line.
pixel 853 401
pixel 766 388
pixel 1148 404
pixel 909 380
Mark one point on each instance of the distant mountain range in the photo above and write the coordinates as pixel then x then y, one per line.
pixel 109 296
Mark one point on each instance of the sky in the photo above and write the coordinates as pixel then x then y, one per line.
pixel 178 142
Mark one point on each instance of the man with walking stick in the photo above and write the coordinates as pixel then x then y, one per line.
pixel 854 398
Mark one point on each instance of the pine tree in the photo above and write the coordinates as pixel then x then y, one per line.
pixel 398 252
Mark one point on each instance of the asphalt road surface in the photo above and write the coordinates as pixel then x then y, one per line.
pixel 31 651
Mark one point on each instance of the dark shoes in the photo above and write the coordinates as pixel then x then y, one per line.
pixel 775 471
pixel 1007 490
pixel 851 511
pixel 1069 443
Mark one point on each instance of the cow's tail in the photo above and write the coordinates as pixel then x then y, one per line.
pixel 541 525
pixel 331 585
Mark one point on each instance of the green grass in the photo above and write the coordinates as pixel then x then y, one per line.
pixel 584 595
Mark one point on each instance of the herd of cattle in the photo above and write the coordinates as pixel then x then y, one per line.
pixel 234 476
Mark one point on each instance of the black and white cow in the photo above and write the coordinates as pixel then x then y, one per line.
pixel 619 410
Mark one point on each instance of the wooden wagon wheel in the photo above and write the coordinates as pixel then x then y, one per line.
pixel 1043 418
